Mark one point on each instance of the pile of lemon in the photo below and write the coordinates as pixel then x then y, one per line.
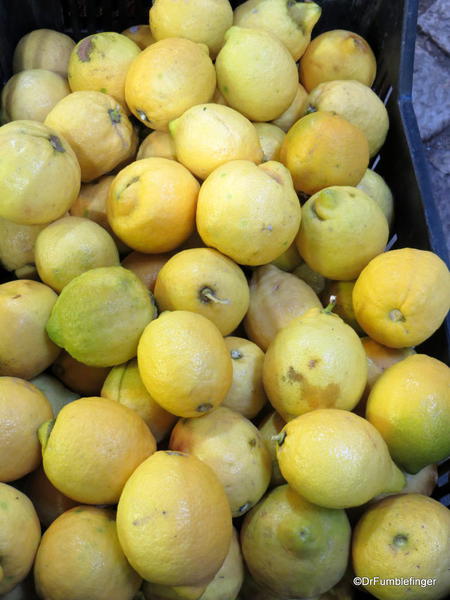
pixel 208 382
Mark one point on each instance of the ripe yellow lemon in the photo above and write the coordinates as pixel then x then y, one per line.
pixel 23 409
pixel 20 534
pixel 80 556
pixel 209 135
pixel 250 213
pixel 270 137
pixel 151 204
pixel 402 296
pixel 375 186
pixel 146 266
pixel 336 459
pixel 294 111
pixel 232 446
pixel 405 537
pixel 380 358
pixel 159 144
pixel 174 521
pixel 204 21
pixel 166 79
pixel 323 149
pixel 410 406
pixel 43 49
pixel 256 73
pixel 191 346
pixel 92 448
pixel 206 282
pixel 303 368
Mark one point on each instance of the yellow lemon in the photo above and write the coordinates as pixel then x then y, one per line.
pixel 166 79
pixel 294 111
pixel 250 213
pixel 146 266
pixel 20 534
pixel 124 384
pixel 39 173
pixel 276 298
pixel 270 137
pixel 402 296
pixel 375 186
pixel 336 459
pixel 209 135
pixel 380 358
pixel 294 548
pixel 256 73
pixel 23 409
pixel 289 260
pixel 82 379
pixel 191 346
pixel 140 35
pixel 92 448
pixel 80 556
pixel 322 149
pixel 246 394
pixel 159 144
pixel 269 428
pixel 410 406
pixel 100 315
pixel 25 348
pixel 405 537
pixel 232 446
pixel 100 62
pixel 105 143
pixel 151 204
pixel 204 21
pixel 290 22
pixel 70 246
pixel 193 507
pixel 342 229
pixel 17 244
pixel 340 292
pixel 337 54
pixel 43 49
pixel 303 367
pixel 32 94
pixel 204 281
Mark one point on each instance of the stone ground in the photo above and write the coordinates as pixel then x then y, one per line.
pixel 431 96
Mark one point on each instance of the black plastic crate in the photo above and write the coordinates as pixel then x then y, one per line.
pixel 389 27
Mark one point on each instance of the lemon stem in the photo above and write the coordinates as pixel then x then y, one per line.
pixel 329 309
pixel 209 296
pixel 279 439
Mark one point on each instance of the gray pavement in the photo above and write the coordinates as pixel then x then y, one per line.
pixel 431 96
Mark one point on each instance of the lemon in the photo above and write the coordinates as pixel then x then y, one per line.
pixel 80 556
pixel 25 348
pixel 43 49
pixel 124 384
pixel 100 315
pixel 32 94
pixel 335 221
pixel 204 281
pixel 80 378
pixel 380 358
pixel 20 534
pixel 405 537
pixel 294 548
pixel 276 298
pixel 205 22
pixel 341 292
pixel 17 244
pixel 107 141
pixel 92 448
pixel 39 173
pixel 337 54
pixel 375 186
pixel 159 144
pixel 209 135
pixel 336 459
pixel 256 73
pixel 190 345
pixel 249 213
pixel 303 368
pixel 402 296
pixel 232 446
pixel 140 35
pixel 174 69
pixel 246 394
pixel 358 104
pixel 270 137
pixel 289 260
pixel 100 62
pixel 410 406
pixel 294 111
pixel 290 22
pixel 180 537
pixel 323 149
pixel 146 266
pixel 151 204
pixel 70 246
pixel 269 428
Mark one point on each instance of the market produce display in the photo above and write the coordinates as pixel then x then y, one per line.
pixel 212 384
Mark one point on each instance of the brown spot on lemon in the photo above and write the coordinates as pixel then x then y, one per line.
pixel 85 49
pixel 294 375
